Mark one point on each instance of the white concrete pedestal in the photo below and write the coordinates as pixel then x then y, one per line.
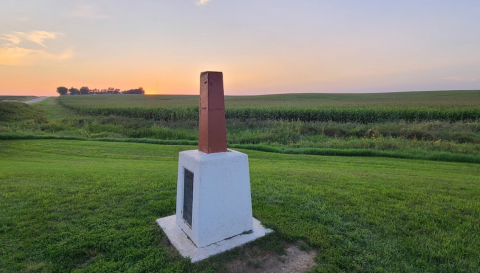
pixel 222 208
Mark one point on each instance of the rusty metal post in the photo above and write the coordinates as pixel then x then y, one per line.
pixel 212 135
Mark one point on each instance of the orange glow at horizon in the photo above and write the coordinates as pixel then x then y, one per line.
pixel 261 47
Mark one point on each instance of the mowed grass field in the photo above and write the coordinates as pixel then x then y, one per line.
pixel 84 206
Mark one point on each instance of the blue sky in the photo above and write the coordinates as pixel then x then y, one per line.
pixel 261 46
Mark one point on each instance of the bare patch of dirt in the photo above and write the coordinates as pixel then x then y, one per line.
pixel 294 260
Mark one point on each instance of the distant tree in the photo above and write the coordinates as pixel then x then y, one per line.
pixel 139 91
pixel 84 90
pixel 74 91
pixel 62 90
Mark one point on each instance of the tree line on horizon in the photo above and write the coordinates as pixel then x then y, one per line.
pixel 62 90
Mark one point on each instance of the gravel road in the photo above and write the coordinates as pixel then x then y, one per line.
pixel 35 100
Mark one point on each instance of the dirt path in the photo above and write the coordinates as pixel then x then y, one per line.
pixel 253 260
pixel 36 100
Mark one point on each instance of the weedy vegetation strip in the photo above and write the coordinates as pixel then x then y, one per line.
pixel 405 154
pixel 49 118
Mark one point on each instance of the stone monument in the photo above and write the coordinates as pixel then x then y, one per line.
pixel 214 208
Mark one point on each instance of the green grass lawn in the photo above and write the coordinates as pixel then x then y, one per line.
pixel 91 206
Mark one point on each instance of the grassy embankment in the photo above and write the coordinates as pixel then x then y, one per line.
pixel 67 206
pixel 159 119
pixel 17 98
pixel 14 111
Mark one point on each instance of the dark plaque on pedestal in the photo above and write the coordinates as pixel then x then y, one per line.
pixel 188 197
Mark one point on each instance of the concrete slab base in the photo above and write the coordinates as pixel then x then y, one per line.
pixel 187 248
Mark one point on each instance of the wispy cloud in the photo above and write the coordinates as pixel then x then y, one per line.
pixel 462 79
pixel 17 56
pixel 89 11
pixel 202 2
pixel 13 53
pixel 34 36
pixel 12 38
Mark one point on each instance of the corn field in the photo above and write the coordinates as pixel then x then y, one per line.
pixel 342 114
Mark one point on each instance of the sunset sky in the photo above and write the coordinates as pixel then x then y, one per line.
pixel 261 46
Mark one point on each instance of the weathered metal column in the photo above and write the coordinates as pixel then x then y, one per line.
pixel 212 136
